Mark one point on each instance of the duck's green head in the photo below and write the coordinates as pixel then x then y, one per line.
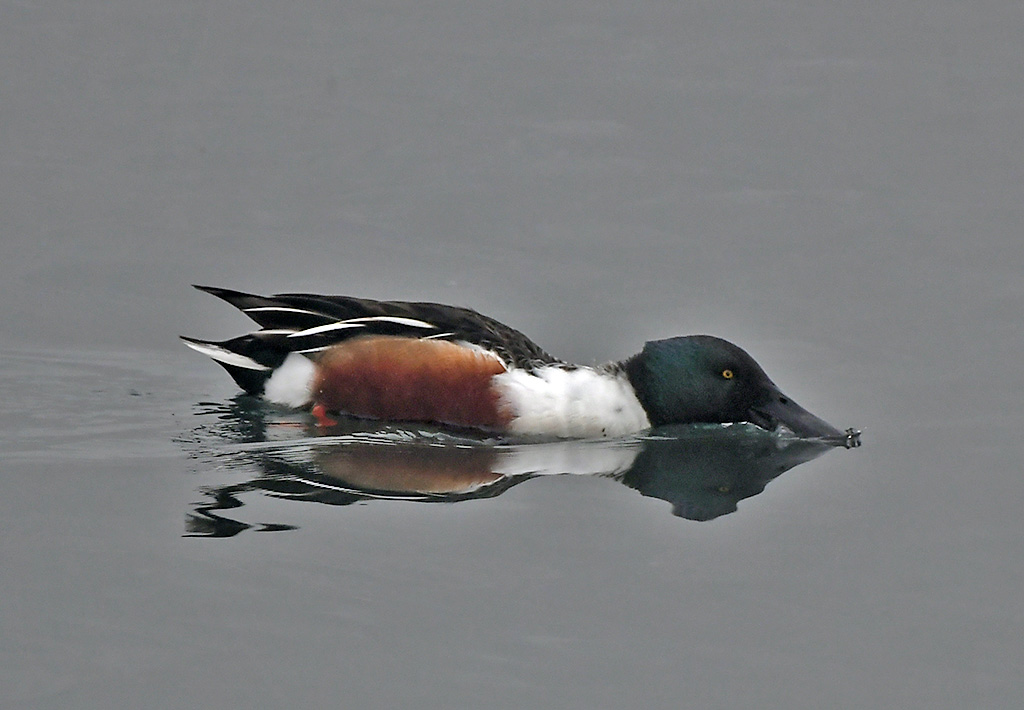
pixel 700 378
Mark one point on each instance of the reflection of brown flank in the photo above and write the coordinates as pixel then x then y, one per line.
pixel 387 377
pixel 423 469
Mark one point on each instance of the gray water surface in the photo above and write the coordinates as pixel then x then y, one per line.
pixel 835 187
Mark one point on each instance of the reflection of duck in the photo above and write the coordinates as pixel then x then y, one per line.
pixel 427 362
pixel 702 470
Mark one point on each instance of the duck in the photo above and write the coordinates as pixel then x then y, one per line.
pixel 449 365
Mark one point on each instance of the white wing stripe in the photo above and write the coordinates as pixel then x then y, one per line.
pixel 362 323
pixel 279 309
pixel 411 322
pixel 274 331
pixel 343 325
pixel 226 356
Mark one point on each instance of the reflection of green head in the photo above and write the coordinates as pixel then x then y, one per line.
pixel 704 471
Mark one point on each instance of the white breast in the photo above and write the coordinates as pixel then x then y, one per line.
pixel 582 402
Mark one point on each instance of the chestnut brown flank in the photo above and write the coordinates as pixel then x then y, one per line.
pixel 388 377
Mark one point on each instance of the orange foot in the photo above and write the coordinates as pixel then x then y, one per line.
pixel 322 420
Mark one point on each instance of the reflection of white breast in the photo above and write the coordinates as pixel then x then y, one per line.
pixel 589 458
pixel 578 402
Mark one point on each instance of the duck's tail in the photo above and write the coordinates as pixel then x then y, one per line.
pixel 248 359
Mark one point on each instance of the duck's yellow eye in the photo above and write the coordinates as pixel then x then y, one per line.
pixel 727 374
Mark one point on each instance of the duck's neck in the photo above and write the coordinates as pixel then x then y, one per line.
pixel 634 369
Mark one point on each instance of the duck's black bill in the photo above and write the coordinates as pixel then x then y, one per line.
pixel 779 410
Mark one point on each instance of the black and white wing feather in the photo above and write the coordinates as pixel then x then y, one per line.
pixel 307 324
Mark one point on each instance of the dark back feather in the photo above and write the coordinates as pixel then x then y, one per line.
pixel 285 317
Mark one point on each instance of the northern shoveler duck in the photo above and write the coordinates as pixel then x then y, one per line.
pixel 427 362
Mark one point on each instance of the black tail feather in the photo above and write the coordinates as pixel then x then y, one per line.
pixel 261 351
pixel 252 381
pixel 292 311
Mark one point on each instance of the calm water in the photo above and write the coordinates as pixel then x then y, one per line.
pixel 838 189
